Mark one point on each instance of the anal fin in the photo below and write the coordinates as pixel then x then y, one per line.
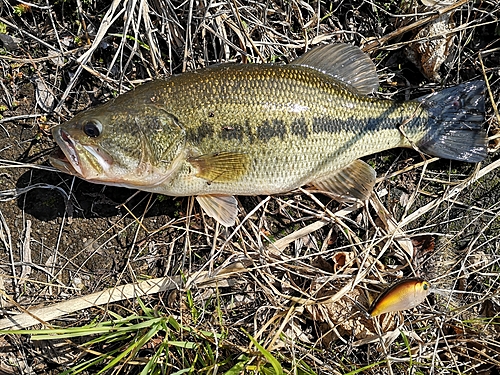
pixel 353 182
pixel 223 208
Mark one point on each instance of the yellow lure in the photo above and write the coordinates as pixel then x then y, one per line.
pixel 403 295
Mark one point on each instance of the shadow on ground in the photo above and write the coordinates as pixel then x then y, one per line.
pixel 46 198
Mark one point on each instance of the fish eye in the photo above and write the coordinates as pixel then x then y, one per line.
pixel 92 128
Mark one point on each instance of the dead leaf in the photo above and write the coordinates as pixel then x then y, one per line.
pixel 433 46
pixel 423 245
pixel 344 317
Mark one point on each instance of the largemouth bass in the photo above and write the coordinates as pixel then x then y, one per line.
pixel 249 129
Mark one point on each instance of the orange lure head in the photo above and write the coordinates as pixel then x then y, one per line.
pixel 403 295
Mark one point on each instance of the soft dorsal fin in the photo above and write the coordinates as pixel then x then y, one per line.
pixel 345 62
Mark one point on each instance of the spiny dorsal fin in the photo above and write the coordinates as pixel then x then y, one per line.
pixel 355 181
pixel 223 208
pixel 221 166
pixel 344 62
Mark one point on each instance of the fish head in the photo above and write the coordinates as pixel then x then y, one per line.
pixel 138 146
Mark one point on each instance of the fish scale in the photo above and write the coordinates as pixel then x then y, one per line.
pixel 249 129
pixel 331 140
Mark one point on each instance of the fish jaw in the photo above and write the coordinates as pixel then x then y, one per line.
pixel 85 161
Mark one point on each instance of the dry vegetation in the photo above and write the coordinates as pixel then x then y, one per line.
pixel 145 283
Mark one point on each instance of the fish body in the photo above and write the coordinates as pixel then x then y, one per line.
pixel 250 129
pixel 403 295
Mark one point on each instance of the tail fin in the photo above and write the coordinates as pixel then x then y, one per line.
pixel 456 117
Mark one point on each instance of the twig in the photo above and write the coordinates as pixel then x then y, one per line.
pixel 17 118
pixel 490 93
pixel 41 59
pixel 450 194
pixel 106 23
pixel 14 27
pixel 6 238
pixel 26 252
pixel 45 314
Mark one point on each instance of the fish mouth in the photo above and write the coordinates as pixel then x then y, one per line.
pixel 65 158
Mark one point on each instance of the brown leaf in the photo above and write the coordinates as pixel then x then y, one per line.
pixel 422 245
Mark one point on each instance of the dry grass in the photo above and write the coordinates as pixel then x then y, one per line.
pixel 286 288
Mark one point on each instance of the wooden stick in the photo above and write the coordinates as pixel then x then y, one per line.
pixel 44 314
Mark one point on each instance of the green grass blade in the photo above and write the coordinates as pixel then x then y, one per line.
pixel 238 367
pixel 273 361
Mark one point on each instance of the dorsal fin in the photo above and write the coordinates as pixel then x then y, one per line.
pixel 344 62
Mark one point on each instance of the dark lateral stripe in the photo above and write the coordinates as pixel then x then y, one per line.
pixel 269 130
pixel 196 135
pixel 234 132
pixel 299 127
pixel 323 124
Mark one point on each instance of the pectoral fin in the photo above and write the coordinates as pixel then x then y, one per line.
pixel 221 166
pixel 355 181
pixel 223 208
